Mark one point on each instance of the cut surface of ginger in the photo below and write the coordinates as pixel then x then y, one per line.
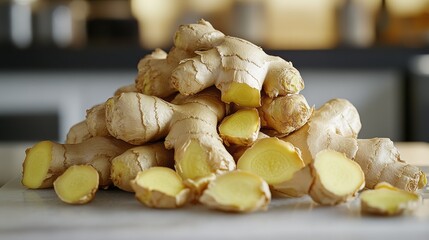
pixel 387 200
pixel 160 187
pixel 336 178
pixel 272 159
pixel 36 164
pixel 241 127
pixel 193 164
pixel 242 95
pixel 77 185
pixel 237 191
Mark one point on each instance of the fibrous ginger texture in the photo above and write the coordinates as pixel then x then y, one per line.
pixel 126 166
pixel 189 125
pixel 237 191
pixel 77 185
pixel 46 160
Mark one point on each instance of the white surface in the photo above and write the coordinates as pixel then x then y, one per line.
pixel 39 214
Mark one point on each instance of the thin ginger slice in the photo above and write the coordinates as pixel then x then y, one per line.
pixel 240 128
pixel 160 187
pixel 237 191
pixel 387 200
pixel 77 185
pixel 272 159
pixel 336 178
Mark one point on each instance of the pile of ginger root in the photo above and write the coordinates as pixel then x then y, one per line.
pixel 217 121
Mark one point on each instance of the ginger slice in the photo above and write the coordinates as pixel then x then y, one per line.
pixel 237 191
pixel 387 200
pixel 160 187
pixel 272 159
pixel 37 164
pixel 240 128
pixel 77 185
pixel 298 186
pixel 336 178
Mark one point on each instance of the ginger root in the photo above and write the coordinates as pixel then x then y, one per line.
pixel 126 166
pixel 78 133
pixel 240 128
pixel 237 191
pixel 387 200
pixel 46 160
pixel 160 187
pixel 77 185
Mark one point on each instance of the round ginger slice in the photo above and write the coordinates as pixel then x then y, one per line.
pixel 336 178
pixel 274 160
pixel 237 191
pixel 160 187
pixel 240 128
pixel 77 185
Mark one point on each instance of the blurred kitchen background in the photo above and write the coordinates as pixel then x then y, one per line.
pixel 60 57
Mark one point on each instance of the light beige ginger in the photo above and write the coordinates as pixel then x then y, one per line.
pixel 237 191
pixel 126 166
pixel 189 125
pixel 46 160
pixel 154 70
pixel 160 187
pixel 78 133
pixel 77 185
pixel 239 69
pixel 387 200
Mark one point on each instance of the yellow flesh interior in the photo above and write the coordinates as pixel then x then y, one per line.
pixel 36 164
pixel 274 160
pixel 242 94
pixel 337 173
pixel 238 189
pixel 161 179
pixel 423 181
pixel 242 124
pixel 387 200
pixel 194 165
pixel 76 183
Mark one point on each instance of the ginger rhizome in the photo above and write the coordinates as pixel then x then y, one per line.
pixel 240 128
pixel 46 160
pixel 77 185
pixel 385 199
pixel 160 187
pixel 126 166
pixel 189 125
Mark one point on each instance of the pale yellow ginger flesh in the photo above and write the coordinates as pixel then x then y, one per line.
pixel 46 160
pixel 336 178
pixel 160 187
pixel 188 124
pixel 77 185
pixel 240 128
pixel 272 159
pixel 126 166
pixel 388 200
pixel 237 191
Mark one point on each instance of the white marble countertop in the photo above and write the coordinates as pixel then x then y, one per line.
pixel 114 214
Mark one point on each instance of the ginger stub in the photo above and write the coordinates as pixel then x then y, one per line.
pixel 237 191
pixel 240 128
pixel 77 185
pixel 160 187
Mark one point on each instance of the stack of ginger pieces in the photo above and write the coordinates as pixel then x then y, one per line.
pixel 217 121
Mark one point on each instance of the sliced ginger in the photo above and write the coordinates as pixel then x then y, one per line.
pixel 240 128
pixel 160 187
pixel 237 191
pixel 387 200
pixel 336 178
pixel 77 185
pixel 274 160
pixel 36 165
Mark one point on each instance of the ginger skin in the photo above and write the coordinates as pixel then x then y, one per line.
pixel 78 133
pixel 189 125
pixel 46 160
